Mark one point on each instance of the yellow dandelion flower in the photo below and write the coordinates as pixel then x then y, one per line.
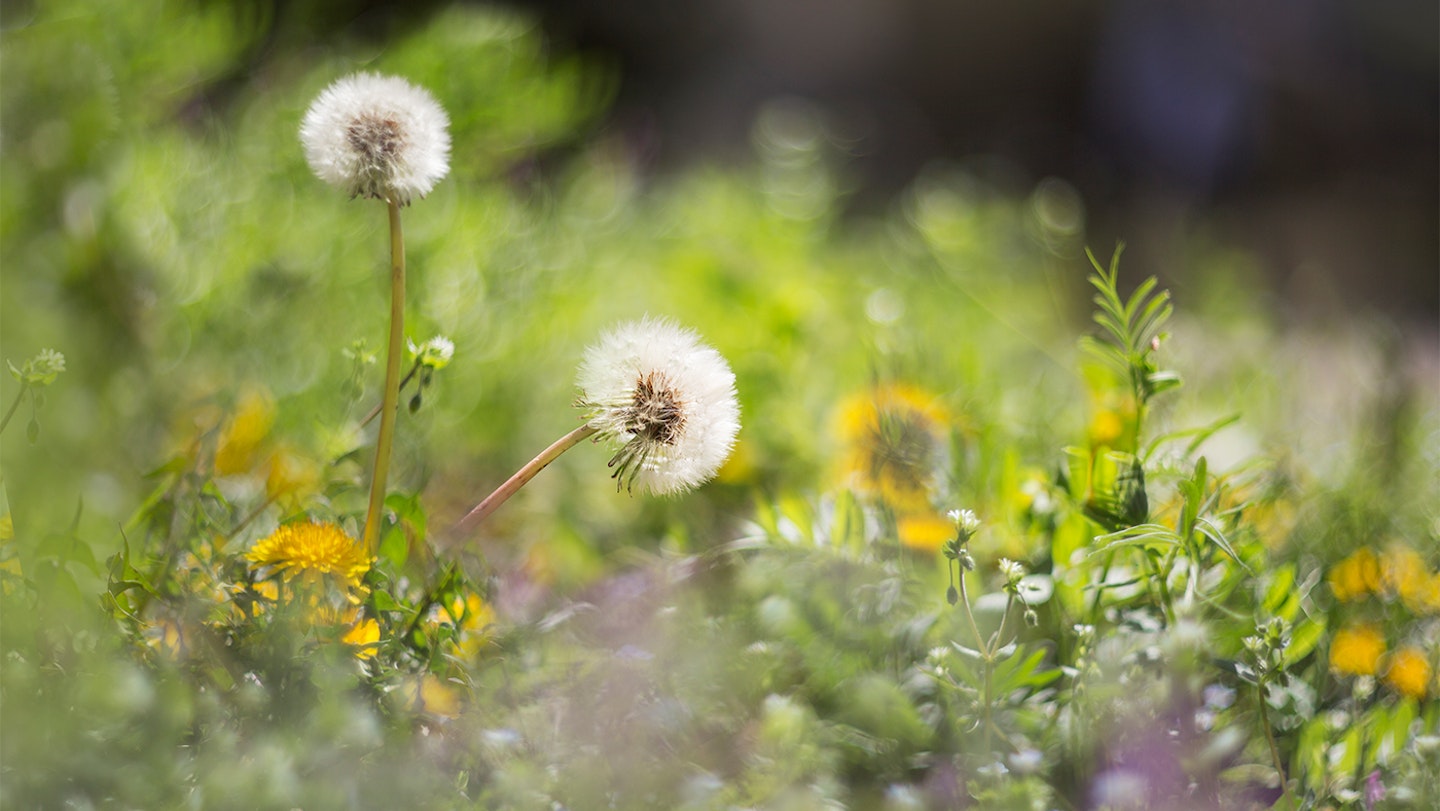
pixel 364 636
pixel 1404 573
pixel 244 432
pixel 924 532
pixel 312 550
pixel 1355 576
pixel 1407 671
pixel 167 636
pixel 1356 650
pixel 895 445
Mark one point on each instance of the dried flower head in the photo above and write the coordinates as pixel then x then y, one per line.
pixel 312 550
pixel 666 399
pixel 377 136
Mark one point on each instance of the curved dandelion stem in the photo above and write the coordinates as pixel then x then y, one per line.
pixel 389 404
pixel 512 485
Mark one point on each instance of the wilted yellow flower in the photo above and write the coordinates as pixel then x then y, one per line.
pixel 1356 650
pixel 244 432
pixel 895 441
pixel 1407 671
pixel 925 532
pixel 1355 576
pixel 312 549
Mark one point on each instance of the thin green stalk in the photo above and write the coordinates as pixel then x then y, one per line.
pixel 987 657
pixel 24 386
pixel 512 485
pixel 404 381
pixel 389 405
pixel 1270 739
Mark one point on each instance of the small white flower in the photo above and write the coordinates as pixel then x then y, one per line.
pixel 966 522
pixel 377 136
pixel 435 353
pixel 666 399
pixel 1012 570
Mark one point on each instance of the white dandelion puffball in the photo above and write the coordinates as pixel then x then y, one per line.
pixel 665 399
pixel 377 136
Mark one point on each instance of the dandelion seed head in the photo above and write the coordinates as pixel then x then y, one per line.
pixel 377 136
pixel 665 400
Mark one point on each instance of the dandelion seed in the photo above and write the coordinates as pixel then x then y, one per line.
pixel 377 136
pixel 665 399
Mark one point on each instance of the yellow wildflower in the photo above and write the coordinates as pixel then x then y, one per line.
pixel 312 550
pixel 895 439
pixel 924 532
pixel 364 636
pixel 167 636
pixel 472 618
pixel 1404 573
pixel 1355 576
pixel 430 695
pixel 1407 671
pixel 244 432
pixel 1356 650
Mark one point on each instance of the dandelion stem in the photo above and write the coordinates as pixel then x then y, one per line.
pixel 389 404
pixel 24 385
pixel 493 501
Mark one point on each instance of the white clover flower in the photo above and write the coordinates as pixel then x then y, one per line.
pixel 666 399
pixel 377 136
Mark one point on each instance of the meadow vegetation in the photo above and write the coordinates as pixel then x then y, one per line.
pixel 1007 523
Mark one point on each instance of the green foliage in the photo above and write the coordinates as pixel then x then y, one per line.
pixel 1178 578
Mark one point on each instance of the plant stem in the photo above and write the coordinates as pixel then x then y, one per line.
pixel 389 404
pixel 493 501
pixel 1270 739
pixel 24 385
pixel 987 656
pixel 405 381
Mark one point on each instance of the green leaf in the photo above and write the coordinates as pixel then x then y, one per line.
pixel 1303 640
